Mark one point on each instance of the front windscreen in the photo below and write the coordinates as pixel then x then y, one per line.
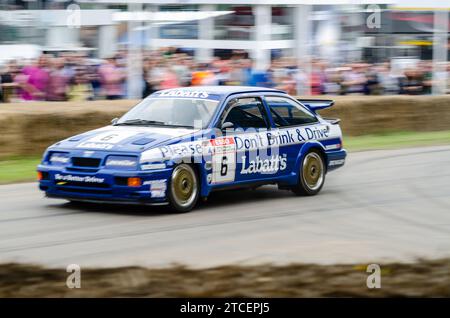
pixel 171 112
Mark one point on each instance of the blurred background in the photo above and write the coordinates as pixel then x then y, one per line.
pixel 59 50
pixel 61 60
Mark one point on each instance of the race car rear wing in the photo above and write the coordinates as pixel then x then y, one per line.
pixel 316 104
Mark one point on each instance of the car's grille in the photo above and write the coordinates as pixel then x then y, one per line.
pixel 122 181
pixel 86 162
pixel 89 170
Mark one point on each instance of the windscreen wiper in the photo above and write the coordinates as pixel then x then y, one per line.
pixel 138 122
pixel 179 126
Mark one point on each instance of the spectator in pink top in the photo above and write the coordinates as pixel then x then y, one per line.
pixel 58 81
pixel 111 78
pixel 34 81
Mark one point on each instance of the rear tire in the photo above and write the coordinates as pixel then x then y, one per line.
pixel 311 175
pixel 184 188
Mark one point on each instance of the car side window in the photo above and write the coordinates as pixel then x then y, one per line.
pixel 286 112
pixel 246 113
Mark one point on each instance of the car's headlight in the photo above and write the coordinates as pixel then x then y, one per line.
pixel 59 158
pixel 121 162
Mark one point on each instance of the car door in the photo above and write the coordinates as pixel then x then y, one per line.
pixel 292 122
pixel 243 160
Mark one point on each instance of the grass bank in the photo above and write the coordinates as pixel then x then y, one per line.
pixel 396 140
pixel 18 169
pixel 424 278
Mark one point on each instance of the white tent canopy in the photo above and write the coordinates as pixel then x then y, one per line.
pixel 421 4
pixel 167 16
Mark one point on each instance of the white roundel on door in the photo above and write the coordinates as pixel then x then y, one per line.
pixel 223 160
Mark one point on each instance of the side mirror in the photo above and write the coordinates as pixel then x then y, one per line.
pixel 227 125
pixel 114 121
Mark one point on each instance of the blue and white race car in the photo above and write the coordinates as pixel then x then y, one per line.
pixel 179 145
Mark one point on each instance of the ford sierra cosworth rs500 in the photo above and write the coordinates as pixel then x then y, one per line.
pixel 179 145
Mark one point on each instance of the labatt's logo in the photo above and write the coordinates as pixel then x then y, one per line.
pixel 268 165
pixel 184 93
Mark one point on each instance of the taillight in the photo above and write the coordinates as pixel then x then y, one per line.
pixel 39 176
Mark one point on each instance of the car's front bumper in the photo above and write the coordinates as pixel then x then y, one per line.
pixel 105 185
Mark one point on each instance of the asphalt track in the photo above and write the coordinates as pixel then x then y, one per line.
pixel 390 205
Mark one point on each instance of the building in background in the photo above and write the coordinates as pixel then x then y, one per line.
pixel 331 29
pixel 262 28
pixel 338 31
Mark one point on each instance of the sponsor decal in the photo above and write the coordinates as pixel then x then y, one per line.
pixel 112 137
pixel 87 179
pixel 241 142
pixel 252 141
pixel 58 158
pixel 244 142
pixel 265 166
pixel 157 188
pixel 221 142
pixel 334 146
pixel 336 162
pixel 297 135
pixel 225 144
pixel 121 162
pixel 184 93
pixel 95 145
pixel 182 150
pixel 223 159
pixel 106 140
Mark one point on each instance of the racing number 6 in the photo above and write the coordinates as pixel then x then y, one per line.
pixel 109 137
pixel 224 166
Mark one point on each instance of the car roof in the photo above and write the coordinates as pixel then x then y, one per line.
pixel 225 90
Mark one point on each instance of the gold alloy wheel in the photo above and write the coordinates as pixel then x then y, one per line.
pixel 184 185
pixel 313 171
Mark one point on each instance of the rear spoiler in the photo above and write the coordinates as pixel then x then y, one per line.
pixel 316 104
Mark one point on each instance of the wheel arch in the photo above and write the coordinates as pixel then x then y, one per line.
pixel 202 174
pixel 174 199
pixel 198 164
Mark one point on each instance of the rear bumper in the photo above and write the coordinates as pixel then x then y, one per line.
pixel 336 159
pixel 105 185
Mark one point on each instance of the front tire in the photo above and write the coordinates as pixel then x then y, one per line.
pixel 311 174
pixel 184 188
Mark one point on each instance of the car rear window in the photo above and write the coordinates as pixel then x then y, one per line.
pixel 286 112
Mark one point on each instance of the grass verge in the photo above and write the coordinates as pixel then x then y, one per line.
pixel 24 169
pixel 396 140
pixel 18 169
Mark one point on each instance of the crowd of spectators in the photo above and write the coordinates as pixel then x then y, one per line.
pixel 75 77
